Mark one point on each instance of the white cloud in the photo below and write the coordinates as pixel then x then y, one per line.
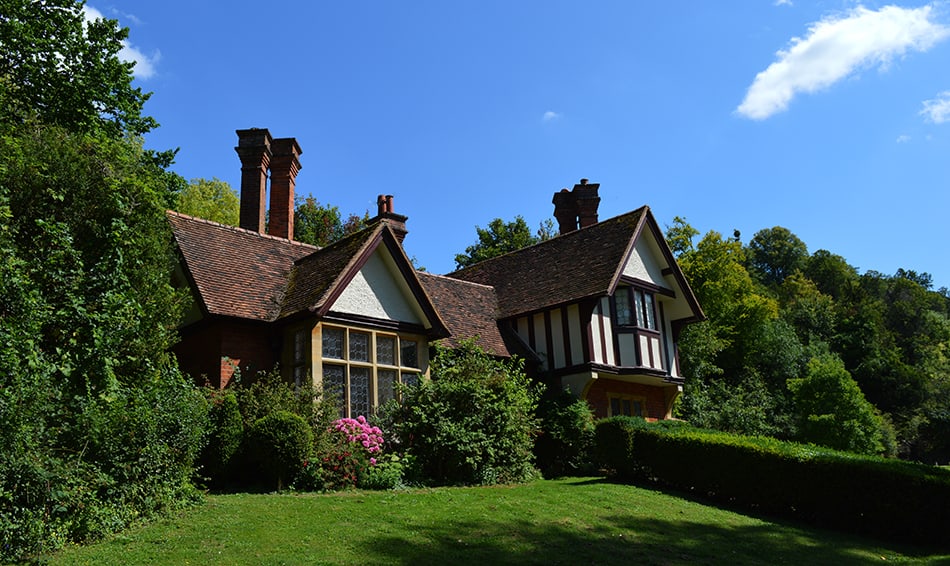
pixel 903 138
pixel 783 2
pixel 550 116
pixel 144 64
pixel 834 48
pixel 937 110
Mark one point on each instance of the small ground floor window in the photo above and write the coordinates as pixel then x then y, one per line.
pixel 626 405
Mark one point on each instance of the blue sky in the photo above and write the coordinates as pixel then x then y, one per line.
pixel 830 118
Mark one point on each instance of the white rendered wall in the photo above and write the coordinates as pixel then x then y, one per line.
pixel 379 291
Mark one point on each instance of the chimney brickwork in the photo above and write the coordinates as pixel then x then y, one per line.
pixel 284 166
pixel 576 208
pixel 254 150
pixel 385 213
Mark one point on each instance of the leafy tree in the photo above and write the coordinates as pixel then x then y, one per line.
pixel 56 66
pixel 503 237
pixel 213 200
pixel 833 412
pixel 831 274
pixel 776 253
pixel 680 236
pixel 321 225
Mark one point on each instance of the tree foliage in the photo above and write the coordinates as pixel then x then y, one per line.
pixel 503 237
pixel 321 225
pixel 773 310
pixel 63 70
pixel 213 200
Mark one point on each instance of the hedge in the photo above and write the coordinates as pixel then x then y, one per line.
pixel 864 494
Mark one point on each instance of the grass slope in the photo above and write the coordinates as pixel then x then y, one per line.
pixel 570 521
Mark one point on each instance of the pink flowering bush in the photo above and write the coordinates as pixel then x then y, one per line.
pixel 353 448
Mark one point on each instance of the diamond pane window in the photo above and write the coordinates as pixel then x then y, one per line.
pixel 334 385
pixel 359 347
pixel 409 353
pixel 410 379
pixel 386 350
pixel 622 299
pixel 333 343
pixel 385 386
pixel 359 391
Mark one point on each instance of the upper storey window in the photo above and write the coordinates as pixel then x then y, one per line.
pixel 635 307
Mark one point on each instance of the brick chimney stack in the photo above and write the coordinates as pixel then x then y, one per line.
pixel 254 150
pixel 587 202
pixel 385 213
pixel 284 166
pixel 577 207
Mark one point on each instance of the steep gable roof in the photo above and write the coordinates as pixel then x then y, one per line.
pixel 564 269
pixel 236 272
pixel 584 263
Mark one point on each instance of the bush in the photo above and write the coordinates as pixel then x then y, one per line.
pixel 473 423
pixel 567 435
pixel 281 444
pixel 225 438
pixel 865 494
pixel 613 445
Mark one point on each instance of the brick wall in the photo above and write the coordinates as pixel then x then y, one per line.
pixel 658 400
pixel 212 352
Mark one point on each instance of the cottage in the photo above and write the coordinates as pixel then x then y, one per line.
pixel 597 309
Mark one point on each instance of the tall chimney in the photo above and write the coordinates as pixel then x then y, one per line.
pixel 284 166
pixel 587 202
pixel 385 213
pixel 565 210
pixel 254 151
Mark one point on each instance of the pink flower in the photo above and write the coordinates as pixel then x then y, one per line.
pixel 372 461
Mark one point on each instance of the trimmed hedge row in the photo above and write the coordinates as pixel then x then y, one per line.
pixel 869 495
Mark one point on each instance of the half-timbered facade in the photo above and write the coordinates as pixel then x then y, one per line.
pixel 596 309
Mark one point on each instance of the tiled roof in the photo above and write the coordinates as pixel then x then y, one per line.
pixel 468 310
pixel 580 264
pixel 237 272
pixel 313 276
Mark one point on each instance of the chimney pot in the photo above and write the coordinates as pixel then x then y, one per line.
pixel 583 181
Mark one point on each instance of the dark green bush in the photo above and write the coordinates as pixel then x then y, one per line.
pixel 567 435
pixel 613 445
pixel 281 444
pixel 472 424
pixel 226 436
pixel 865 494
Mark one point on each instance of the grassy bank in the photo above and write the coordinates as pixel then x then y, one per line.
pixel 572 521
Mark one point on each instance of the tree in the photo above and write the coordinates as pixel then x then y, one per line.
pixel 833 412
pixel 776 253
pixel 503 237
pixel 213 200
pixel 58 67
pixel 680 236
pixel 321 225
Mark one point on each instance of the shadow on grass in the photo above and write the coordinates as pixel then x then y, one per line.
pixel 627 538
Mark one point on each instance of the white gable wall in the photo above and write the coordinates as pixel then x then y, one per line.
pixel 643 263
pixel 379 291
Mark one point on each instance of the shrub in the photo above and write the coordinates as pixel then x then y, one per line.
pixel 613 445
pixel 225 438
pixel 353 450
pixel 387 473
pixel 280 444
pixel 472 423
pixel 567 435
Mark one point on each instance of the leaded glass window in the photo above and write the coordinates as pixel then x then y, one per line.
pixel 409 353
pixel 386 350
pixel 359 347
pixel 359 391
pixel 385 385
pixel 622 300
pixel 333 343
pixel 334 384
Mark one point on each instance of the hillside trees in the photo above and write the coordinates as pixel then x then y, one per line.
pixel 777 315
pixel 212 199
pixel 502 237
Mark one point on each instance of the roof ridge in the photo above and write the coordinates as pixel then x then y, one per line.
pixel 240 230
pixel 453 279
pixel 559 237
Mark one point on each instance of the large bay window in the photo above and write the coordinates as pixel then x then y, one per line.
pixel 637 328
pixel 362 367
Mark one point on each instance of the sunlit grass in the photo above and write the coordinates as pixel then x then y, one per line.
pixel 571 521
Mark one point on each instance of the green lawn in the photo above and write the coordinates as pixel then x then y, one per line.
pixel 571 521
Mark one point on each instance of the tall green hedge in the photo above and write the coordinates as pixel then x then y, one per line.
pixel 864 494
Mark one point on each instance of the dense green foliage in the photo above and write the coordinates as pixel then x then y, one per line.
pixel 321 225
pixel 885 498
pixel 563 444
pixel 65 71
pixel 788 332
pixel 281 444
pixel 502 237
pixel 472 423
pixel 98 428
pixel 213 200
